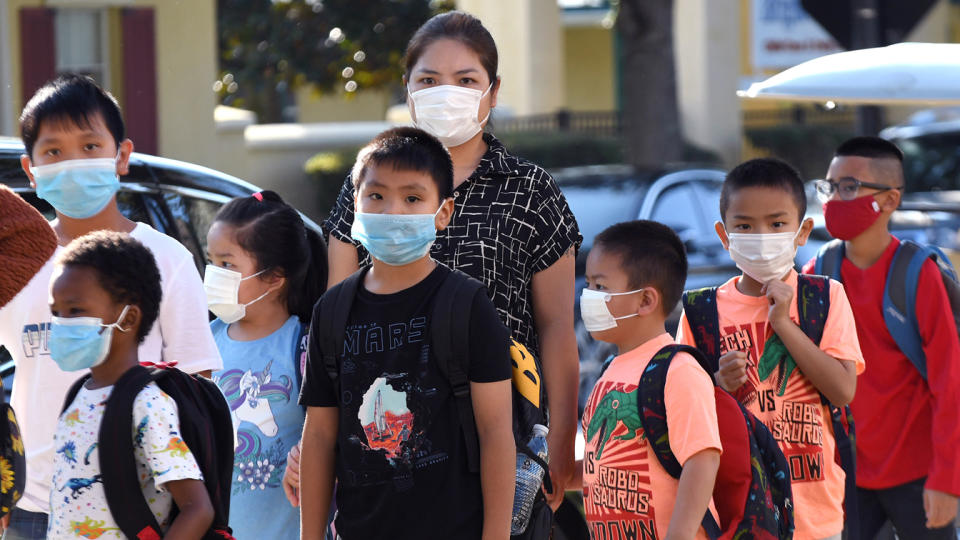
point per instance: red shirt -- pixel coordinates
(907, 428)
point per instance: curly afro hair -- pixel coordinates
(125, 269)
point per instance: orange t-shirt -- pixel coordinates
(626, 492)
(799, 422)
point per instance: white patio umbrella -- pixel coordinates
(901, 74)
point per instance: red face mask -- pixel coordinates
(847, 220)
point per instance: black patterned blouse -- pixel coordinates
(510, 221)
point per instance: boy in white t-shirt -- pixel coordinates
(75, 150)
(104, 297)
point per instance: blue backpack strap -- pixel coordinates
(900, 298)
(653, 415)
(830, 259)
(700, 308)
(813, 307)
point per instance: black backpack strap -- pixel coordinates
(450, 341)
(830, 259)
(700, 308)
(333, 315)
(118, 465)
(73, 391)
(813, 304)
(653, 414)
(206, 428)
(300, 349)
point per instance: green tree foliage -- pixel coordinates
(268, 48)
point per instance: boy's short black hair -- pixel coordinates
(869, 147)
(651, 254)
(407, 149)
(69, 97)
(764, 172)
(125, 269)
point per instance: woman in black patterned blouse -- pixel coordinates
(511, 229)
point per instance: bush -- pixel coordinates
(559, 149)
(806, 147)
(568, 149)
(329, 170)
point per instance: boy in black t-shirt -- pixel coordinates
(387, 430)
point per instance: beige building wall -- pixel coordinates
(707, 47)
(589, 68)
(186, 68)
(530, 44)
(364, 105)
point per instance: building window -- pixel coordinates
(82, 43)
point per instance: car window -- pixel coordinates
(192, 234)
(931, 162)
(675, 208)
(684, 208)
(201, 213)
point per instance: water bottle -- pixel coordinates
(529, 478)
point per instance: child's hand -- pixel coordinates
(779, 294)
(939, 507)
(291, 476)
(733, 370)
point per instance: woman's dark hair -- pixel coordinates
(460, 26)
(274, 233)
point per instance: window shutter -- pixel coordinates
(38, 62)
(140, 78)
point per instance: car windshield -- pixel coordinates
(603, 203)
(932, 162)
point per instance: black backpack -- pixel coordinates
(449, 342)
(813, 306)
(206, 428)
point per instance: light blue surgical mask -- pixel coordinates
(81, 342)
(77, 188)
(395, 239)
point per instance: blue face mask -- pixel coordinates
(77, 188)
(81, 342)
(395, 239)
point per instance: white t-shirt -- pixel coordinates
(181, 333)
(78, 503)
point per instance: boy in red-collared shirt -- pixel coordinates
(908, 428)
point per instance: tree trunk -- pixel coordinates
(649, 104)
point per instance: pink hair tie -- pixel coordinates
(258, 196)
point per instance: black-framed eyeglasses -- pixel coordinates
(848, 188)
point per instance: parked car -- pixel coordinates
(685, 200)
(174, 197)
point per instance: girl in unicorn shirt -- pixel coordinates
(265, 272)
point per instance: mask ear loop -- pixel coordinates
(116, 325)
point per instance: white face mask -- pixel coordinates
(764, 257)
(449, 112)
(223, 290)
(595, 313)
